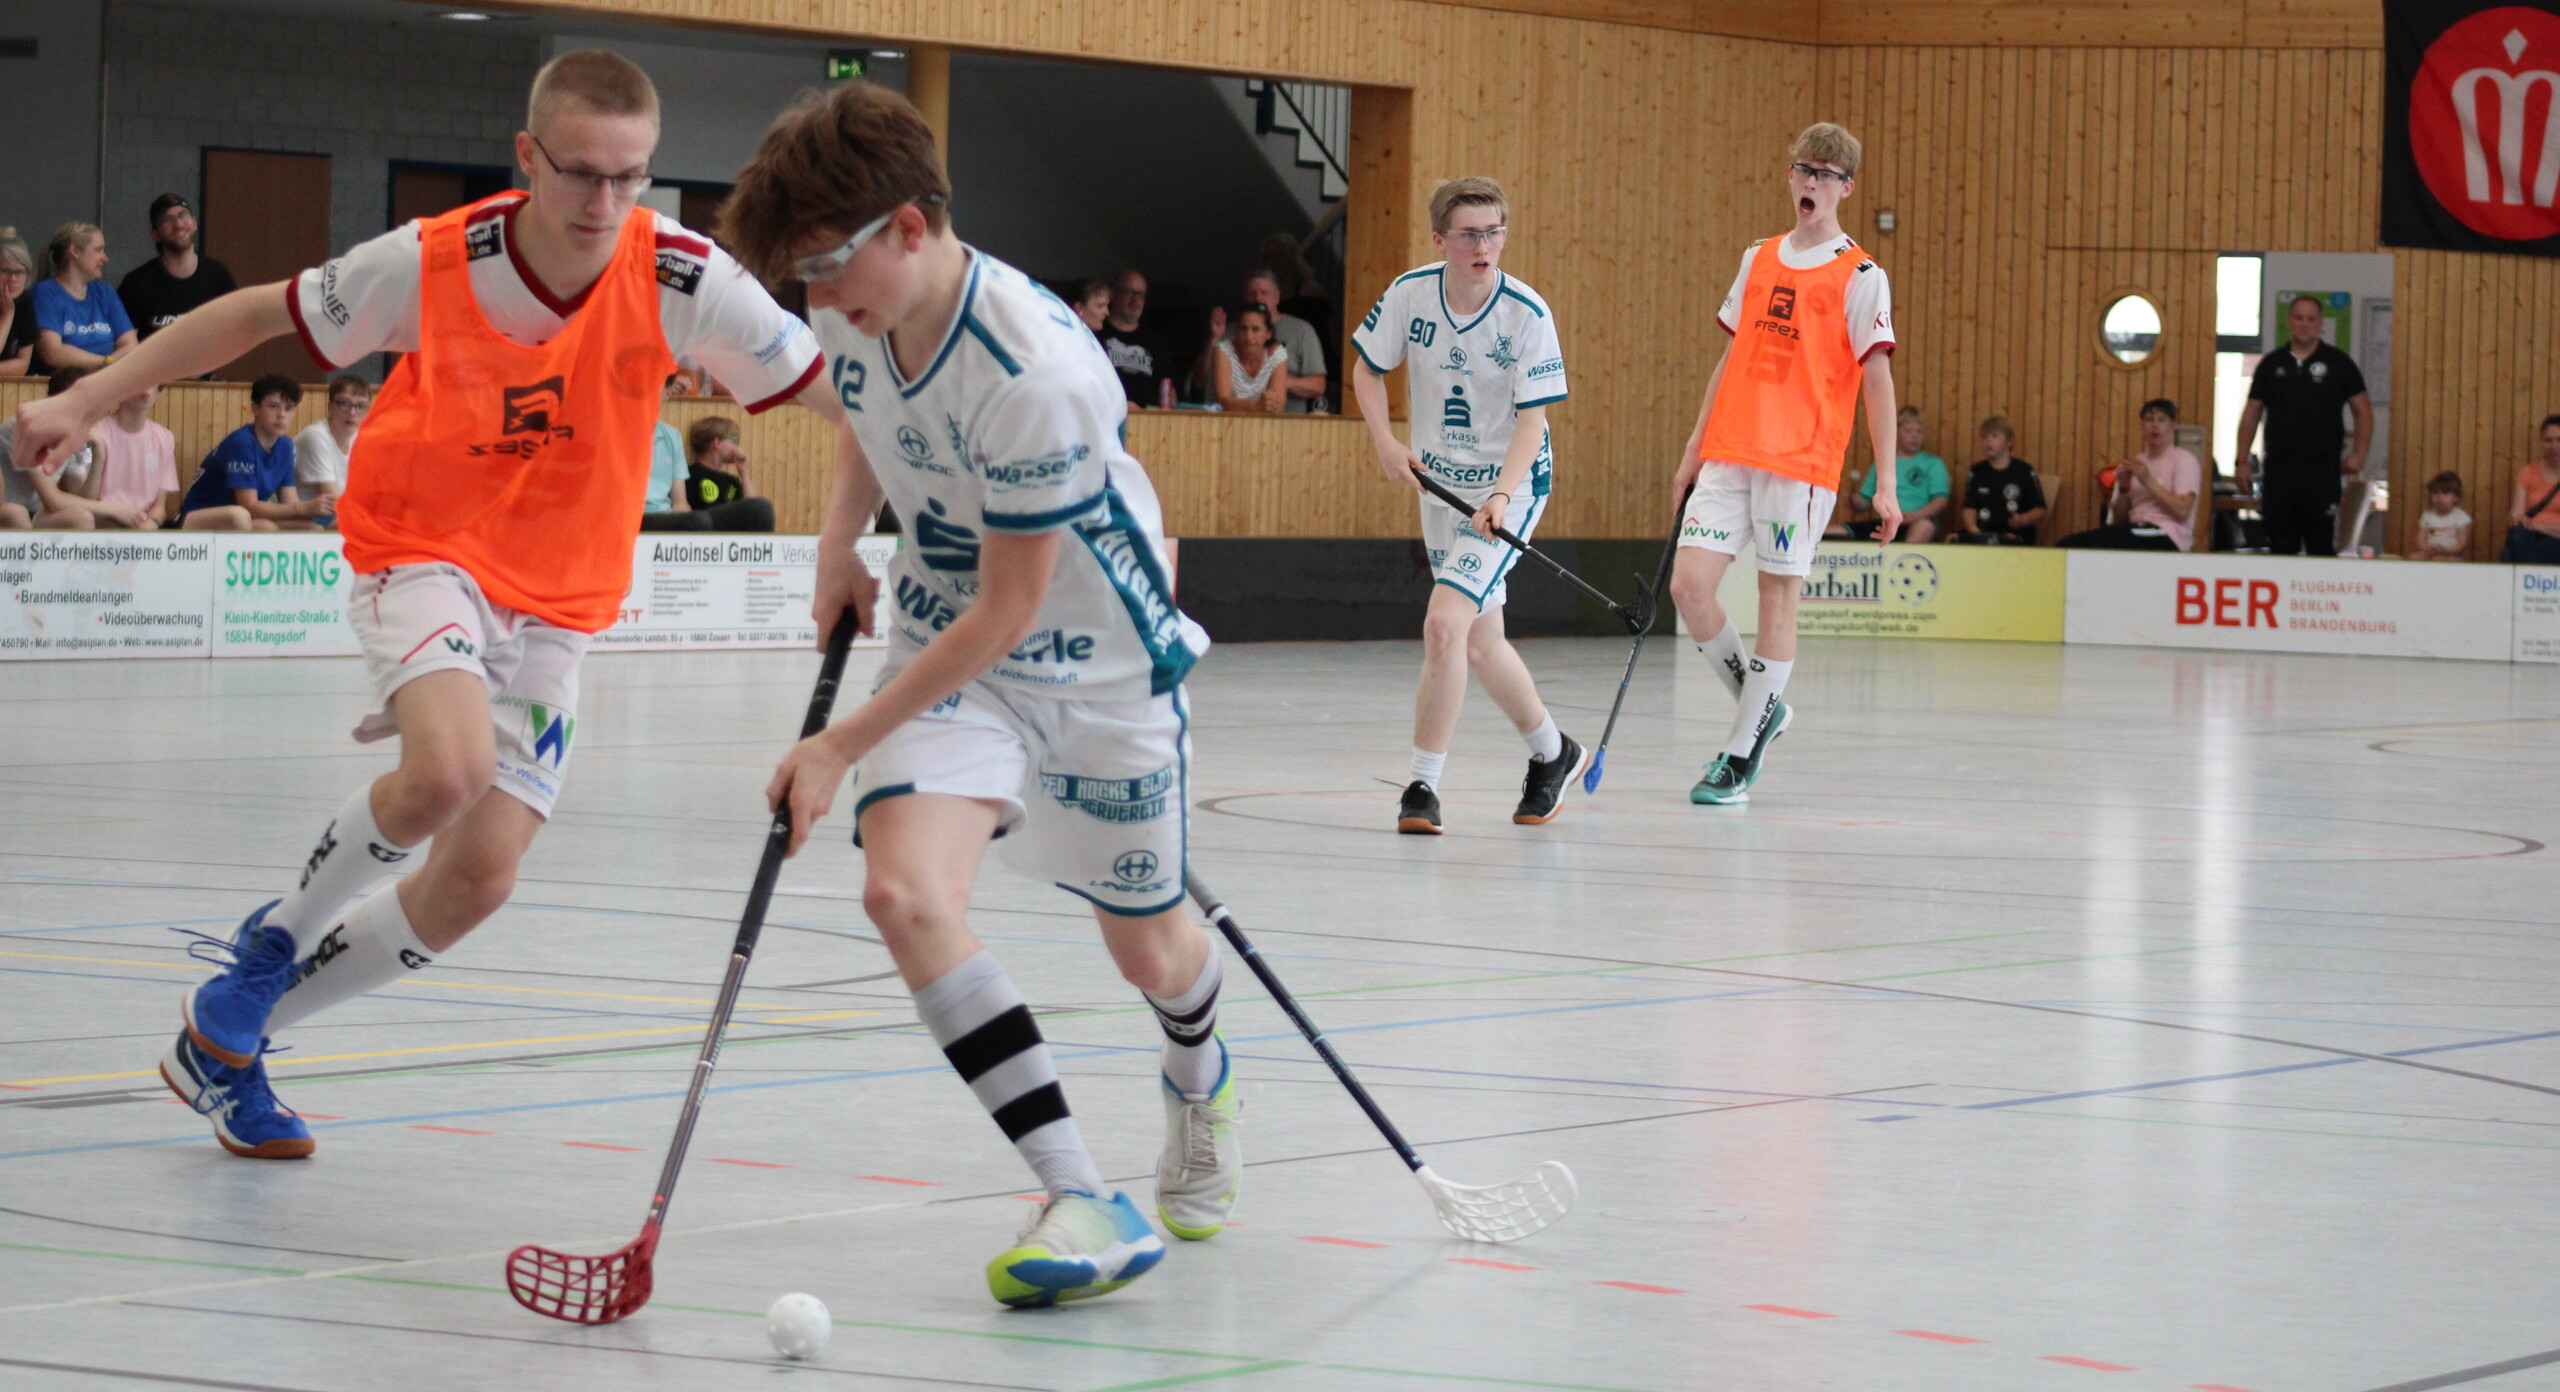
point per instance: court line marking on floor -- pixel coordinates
(197, 965)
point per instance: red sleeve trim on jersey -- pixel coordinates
(690, 246)
(1886, 348)
(1728, 328)
(302, 329)
(532, 282)
(808, 375)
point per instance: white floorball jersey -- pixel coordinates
(1017, 426)
(1467, 380)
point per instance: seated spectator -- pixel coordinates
(1281, 260)
(1919, 484)
(1305, 347)
(79, 320)
(2444, 529)
(1252, 373)
(1142, 357)
(2003, 498)
(2533, 530)
(716, 485)
(137, 468)
(252, 469)
(17, 316)
(2154, 492)
(320, 451)
(46, 497)
(177, 280)
(1092, 304)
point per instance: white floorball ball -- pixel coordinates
(799, 1325)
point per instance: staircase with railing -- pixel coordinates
(1319, 116)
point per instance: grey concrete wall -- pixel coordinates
(49, 162)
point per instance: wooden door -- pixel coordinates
(266, 216)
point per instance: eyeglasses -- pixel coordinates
(1478, 237)
(827, 263)
(1818, 174)
(587, 181)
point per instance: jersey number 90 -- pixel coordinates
(1422, 332)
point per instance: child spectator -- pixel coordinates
(137, 465)
(2003, 499)
(716, 484)
(320, 451)
(43, 497)
(252, 469)
(1919, 484)
(79, 321)
(2444, 529)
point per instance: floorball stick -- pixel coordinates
(1477, 1212)
(600, 1290)
(1648, 601)
(1625, 613)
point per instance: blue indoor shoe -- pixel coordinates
(227, 1016)
(247, 1118)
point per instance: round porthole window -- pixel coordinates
(2129, 331)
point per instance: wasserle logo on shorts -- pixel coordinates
(528, 421)
(1113, 799)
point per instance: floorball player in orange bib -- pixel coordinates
(1812, 326)
(492, 502)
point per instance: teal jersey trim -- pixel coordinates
(1048, 521)
(995, 350)
(1417, 275)
(1534, 307)
(1541, 401)
(1489, 302)
(950, 337)
(1119, 546)
(1372, 362)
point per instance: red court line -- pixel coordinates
(449, 1130)
(893, 1179)
(1790, 1310)
(758, 1164)
(1345, 1242)
(2088, 1363)
(1941, 1338)
(21, 1087)
(1640, 1286)
(1498, 1266)
(318, 1116)
(598, 1145)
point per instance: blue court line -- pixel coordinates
(2251, 1072)
(2285, 1019)
(560, 1010)
(96, 927)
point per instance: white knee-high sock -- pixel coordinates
(368, 949)
(1724, 652)
(353, 856)
(987, 1032)
(1761, 684)
(1191, 1055)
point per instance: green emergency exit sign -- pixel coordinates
(846, 64)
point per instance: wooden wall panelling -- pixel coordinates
(2013, 23)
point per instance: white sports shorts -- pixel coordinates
(1478, 567)
(1096, 795)
(416, 619)
(1782, 517)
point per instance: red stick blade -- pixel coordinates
(583, 1290)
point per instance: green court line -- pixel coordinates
(1186, 1379)
(2281, 1130)
(2039, 962)
(1463, 1377)
(161, 1261)
(956, 1333)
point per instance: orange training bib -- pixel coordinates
(526, 467)
(1790, 390)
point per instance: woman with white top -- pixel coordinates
(320, 451)
(1251, 373)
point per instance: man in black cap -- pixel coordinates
(156, 292)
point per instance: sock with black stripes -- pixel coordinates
(353, 856)
(1761, 685)
(1189, 1020)
(368, 949)
(987, 1032)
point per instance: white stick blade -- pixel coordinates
(1502, 1212)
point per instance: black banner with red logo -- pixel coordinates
(2471, 126)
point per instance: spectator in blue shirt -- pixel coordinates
(79, 320)
(252, 469)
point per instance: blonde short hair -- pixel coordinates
(1472, 191)
(66, 238)
(592, 80)
(1909, 413)
(1825, 143)
(13, 250)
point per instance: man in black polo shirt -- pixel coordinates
(2300, 390)
(1139, 354)
(156, 292)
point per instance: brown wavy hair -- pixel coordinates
(832, 165)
